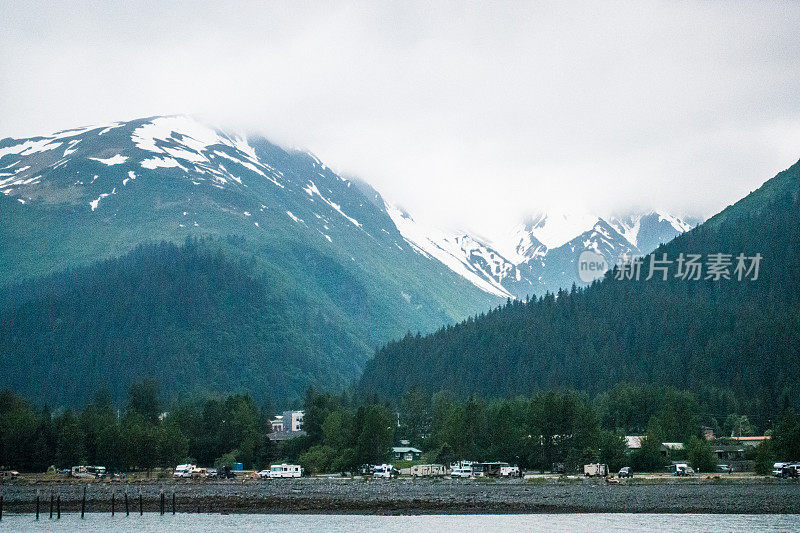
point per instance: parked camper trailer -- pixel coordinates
(427, 471)
(183, 470)
(88, 472)
(495, 469)
(509, 471)
(595, 470)
(285, 470)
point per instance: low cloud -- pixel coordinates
(468, 114)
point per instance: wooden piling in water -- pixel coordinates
(173, 502)
(83, 502)
(162, 501)
(140, 502)
(58, 507)
(1, 507)
(52, 501)
(37, 504)
(112, 502)
(127, 513)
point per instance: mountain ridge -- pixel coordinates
(732, 341)
(217, 157)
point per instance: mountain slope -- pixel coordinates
(729, 340)
(198, 316)
(76, 197)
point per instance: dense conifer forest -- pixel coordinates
(200, 317)
(729, 341)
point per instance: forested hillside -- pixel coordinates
(339, 277)
(200, 317)
(725, 339)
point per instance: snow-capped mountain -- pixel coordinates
(346, 269)
(540, 254)
(170, 177)
(464, 254)
(77, 196)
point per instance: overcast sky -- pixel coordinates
(467, 114)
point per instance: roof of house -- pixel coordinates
(634, 441)
(746, 439)
(405, 449)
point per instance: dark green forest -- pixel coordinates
(200, 317)
(144, 432)
(735, 344)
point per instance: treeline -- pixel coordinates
(201, 317)
(566, 426)
(534, 432)
(141, 435)
(145, 433)
(344, 432)
(728, 341)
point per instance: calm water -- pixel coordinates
(389, 524)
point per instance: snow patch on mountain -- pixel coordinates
(111, 161)
(446, 248)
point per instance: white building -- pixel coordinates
(293, 421)
(284, 426)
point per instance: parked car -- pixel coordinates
(557, 468)
(211, 472)
(790, 470)
(725, 469)
(9, 474)
(226, 473)
(625, 471)
(198, 473)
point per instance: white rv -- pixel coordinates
(183, 470)
(284, 470)
(509, 471)
(461, 469)
(384, 471)
(682, 469)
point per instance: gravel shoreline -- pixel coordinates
(410, 497)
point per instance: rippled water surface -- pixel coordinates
(387, 524)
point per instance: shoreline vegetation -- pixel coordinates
(548, 431)
(714, 495)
